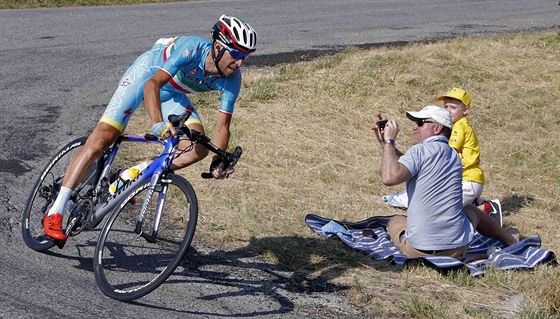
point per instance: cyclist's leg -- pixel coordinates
(100, 139)
(176, 104)
(198, 153)
(103, 136)
(124, 102)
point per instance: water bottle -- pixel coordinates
(126, 176)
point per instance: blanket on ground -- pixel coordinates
(370, 236)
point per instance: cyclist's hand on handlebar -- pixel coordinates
(164, 130)
(220, 173)
(218, 169)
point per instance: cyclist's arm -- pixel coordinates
(230, 88)
(221, 135)
(152, 99)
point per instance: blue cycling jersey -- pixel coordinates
(184, 59)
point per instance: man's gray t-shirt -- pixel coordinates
(435, 217)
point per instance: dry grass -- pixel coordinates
(308, 148)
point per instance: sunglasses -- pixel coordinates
(420, 122)
(236, 54)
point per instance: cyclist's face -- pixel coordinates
(228, 64)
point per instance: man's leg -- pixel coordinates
(395, 228)
(197, 154)
(101, 138)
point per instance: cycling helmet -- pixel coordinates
(235, 33)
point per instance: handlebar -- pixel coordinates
(229, 159)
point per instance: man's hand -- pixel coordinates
(391, 130)
(218, 169)
(379, 129)
(164, 130)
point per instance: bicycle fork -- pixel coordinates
(161, 189)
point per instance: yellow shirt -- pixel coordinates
(463, 140)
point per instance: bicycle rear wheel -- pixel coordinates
(128, 265)
(46, 189)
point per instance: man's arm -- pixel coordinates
(392, 172)
(152, 99)
(152, 102)
(220, 138)
(221, 135)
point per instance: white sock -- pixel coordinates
(61, 200)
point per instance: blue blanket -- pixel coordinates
(370, 236)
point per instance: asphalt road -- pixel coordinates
(58, 69)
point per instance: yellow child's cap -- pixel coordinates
(458, 94)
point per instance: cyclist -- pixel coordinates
(162, 77)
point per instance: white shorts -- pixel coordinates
(471, 192)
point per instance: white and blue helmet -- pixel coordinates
(235, 33)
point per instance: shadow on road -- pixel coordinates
(244, 273)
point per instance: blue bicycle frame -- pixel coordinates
(153, 172)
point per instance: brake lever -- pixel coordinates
(234, 157)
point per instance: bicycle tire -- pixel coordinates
(126, 265)
(44, 192)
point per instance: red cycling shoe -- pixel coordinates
(53, 226)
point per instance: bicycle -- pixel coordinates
(152, 218)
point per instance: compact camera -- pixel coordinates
(381, 124)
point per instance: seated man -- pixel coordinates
(436, 222)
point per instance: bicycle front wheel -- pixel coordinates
(128, 265)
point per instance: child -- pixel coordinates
(463, 139)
